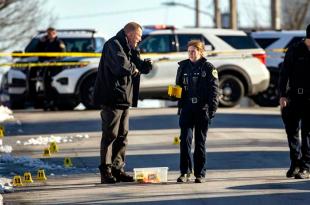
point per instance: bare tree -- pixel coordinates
(19, 20)
(296, 14)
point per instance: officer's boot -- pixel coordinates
(106, 175)
(293, 170)
(184, 178)
(121, 175)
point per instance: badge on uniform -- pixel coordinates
(214, 73)
(203, 74)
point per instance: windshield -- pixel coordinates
(73, 44)
(240, 42)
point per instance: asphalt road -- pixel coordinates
(246, 161)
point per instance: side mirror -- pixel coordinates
(208, 47)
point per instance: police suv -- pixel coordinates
(275, 43)
(72, 83)
(239, 60)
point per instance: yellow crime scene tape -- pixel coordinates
(87, 54)
(45, 64)
(51, 54)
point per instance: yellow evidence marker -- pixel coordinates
(47, 152)
(54, 147)
(17, 181)
(41, 175)
(68, 162)
(2, 131)
(28, 177)
(176, 140)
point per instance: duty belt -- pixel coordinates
(300, 91)
(193, 100)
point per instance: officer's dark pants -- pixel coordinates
(296, 116)
(49, 93)
(114, 137)
(193, 117)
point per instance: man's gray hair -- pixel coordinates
(132, 26)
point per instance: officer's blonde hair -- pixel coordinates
(199, 45)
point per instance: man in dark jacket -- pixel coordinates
(116, 89)
(49, 43)
(294, 90)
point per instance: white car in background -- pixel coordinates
(275, 43)
(73, 84)
(239, 60)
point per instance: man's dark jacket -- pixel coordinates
(295, 71)
(115, 84)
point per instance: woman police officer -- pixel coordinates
(198, 79)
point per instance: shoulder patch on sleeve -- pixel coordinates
(214, 73)
(62, 45)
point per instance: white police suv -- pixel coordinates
(72, 83)
(239, 60)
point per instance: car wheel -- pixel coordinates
(87, 91)
(270, 97)
(16, 103)
(231, 90)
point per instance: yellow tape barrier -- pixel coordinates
(45, 64)
(87, 54)
(84, 54)
(51, 54)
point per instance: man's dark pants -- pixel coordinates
(114, 137)
(296, 116)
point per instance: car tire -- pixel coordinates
(270, 97)
(231, 90)
(16, 103)
(86, 93)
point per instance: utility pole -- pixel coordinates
(276, 14)
(233, 14)
(217, 14)
(197, 9)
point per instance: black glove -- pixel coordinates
(146, 66)
(211, 115)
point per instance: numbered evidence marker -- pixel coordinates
(17, 181)
(54, 147)
(47, 152)
(68, 162)
(41, 175)
(28, 177)
(2, 131)
(176, 140)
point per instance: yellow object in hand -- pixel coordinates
(175, 91)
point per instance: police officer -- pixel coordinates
(116, 89)
(294, 90)
(199, 81)
(49, 43)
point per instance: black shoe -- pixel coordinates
(302, 174)
(184, 178)
(199, 180)
(292, 172)
(122, 176)
(106, 175)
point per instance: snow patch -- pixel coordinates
(5, 114)
(58, 139)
